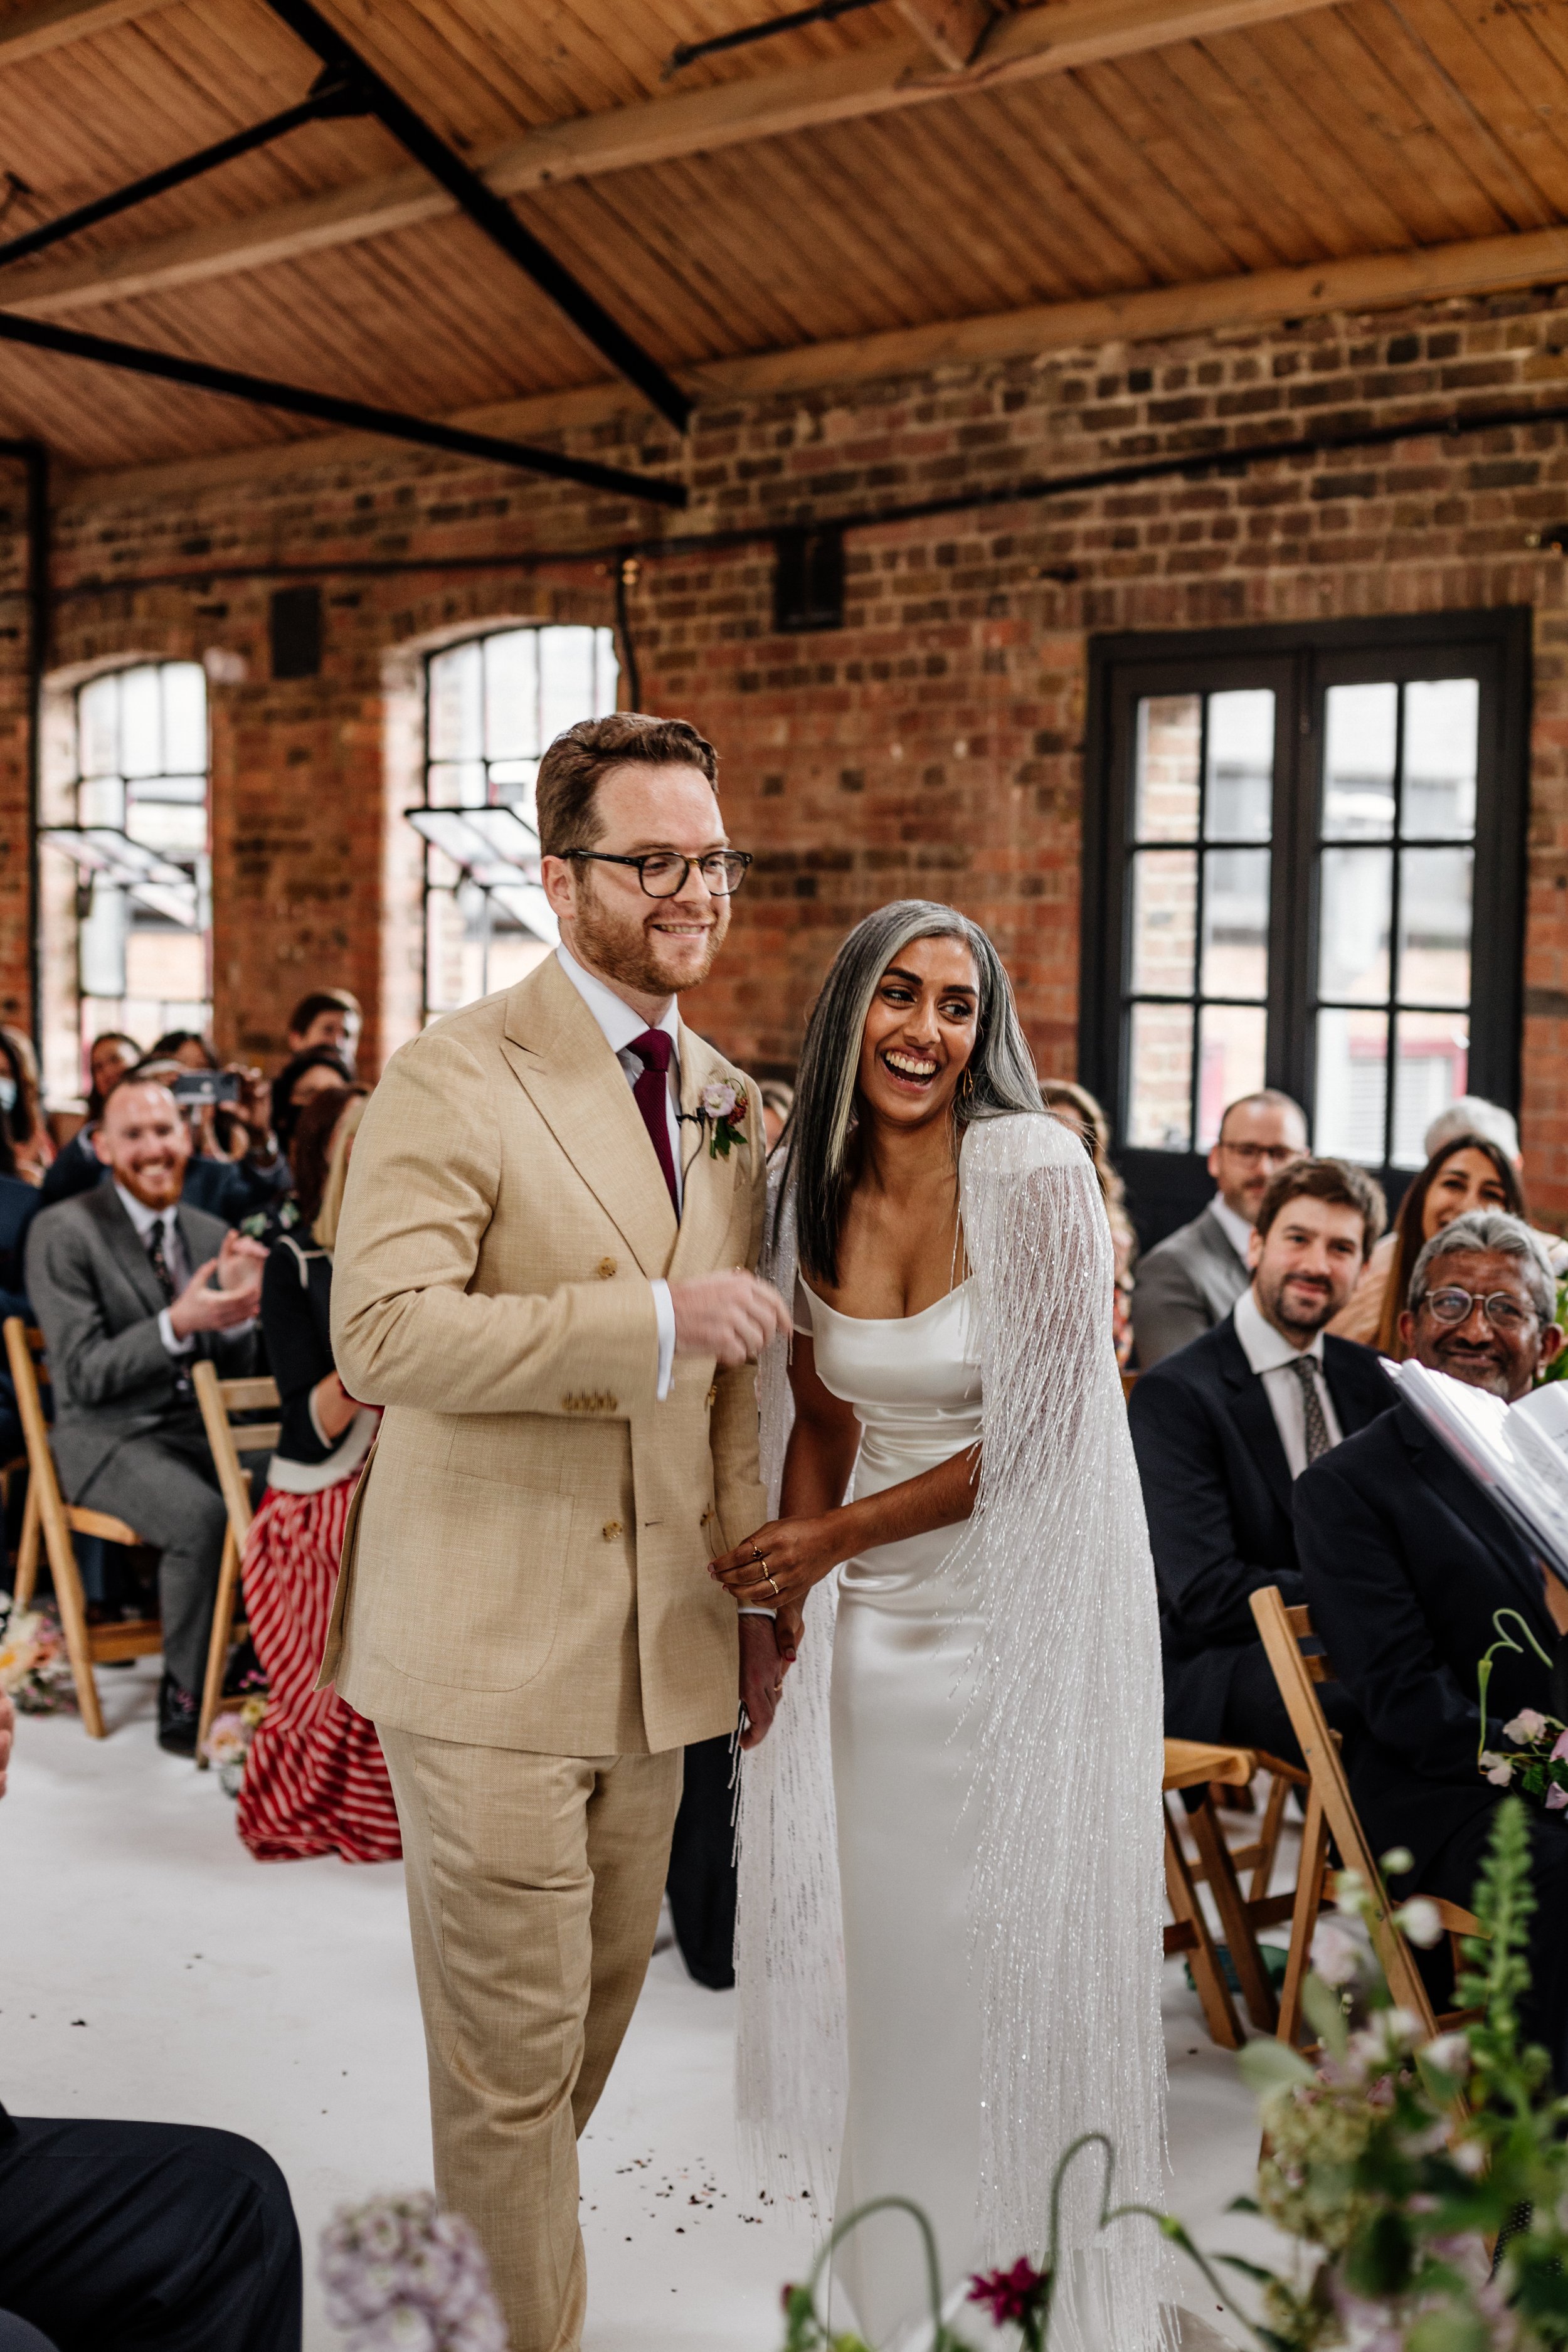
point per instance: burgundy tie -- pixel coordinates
(653, 1050)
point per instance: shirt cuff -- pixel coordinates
(664, 1310)
(757, 1612)
(166, 1333)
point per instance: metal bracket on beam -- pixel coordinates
(356, 416)
(490, 213)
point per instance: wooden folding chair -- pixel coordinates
(1331, 1813)
(50, 1515)
(1198, 1764)
(221, 1401)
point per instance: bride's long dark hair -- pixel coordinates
(1001, 1071)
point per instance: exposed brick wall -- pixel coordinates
(933, 745)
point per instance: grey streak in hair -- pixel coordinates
(1001, 1067)
(1488, 1229)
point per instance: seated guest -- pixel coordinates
(328, 1017)
(313, 1072)
(1078, 1108)
(76, 1166)
(20, 1204)
(23, 1104)
(215, 1182)
(157, 2236)
(314, 1779)
(130, 1286)
(1465, 1171)
(1406, 1564)
(1190, 1281)
(1222, 1430)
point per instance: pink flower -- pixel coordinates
(1556, 1798)
(1562, 1747)
(1009, 2295)
(1528, 1724)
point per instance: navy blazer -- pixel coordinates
(1220, 1503)
(1405, 1563)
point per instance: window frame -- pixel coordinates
(1300, 662)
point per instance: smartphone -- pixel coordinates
(197, 1089)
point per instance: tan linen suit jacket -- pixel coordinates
(525, 1561)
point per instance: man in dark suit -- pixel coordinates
(1190, 1281)
(1406, 1564)
(1223, 1429)
(129, 1286)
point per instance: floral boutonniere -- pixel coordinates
(722, 1106)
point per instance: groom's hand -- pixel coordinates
(731, 1317)
(762, 1678)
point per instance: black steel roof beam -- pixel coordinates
(330, 96)
(354, 415)
(490, 213)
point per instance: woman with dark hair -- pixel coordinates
(22, 1103)
(1080, 1110)
(308, 1074)
(314, 1778)
(1468, 1171)
(985, 1748)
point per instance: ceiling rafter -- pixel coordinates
(892, 75)
(30, 32)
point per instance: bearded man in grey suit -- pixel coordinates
(131, 1288)
(1190, 1281)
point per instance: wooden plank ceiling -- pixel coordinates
(832, 184)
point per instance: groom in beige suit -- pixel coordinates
(542, 1272)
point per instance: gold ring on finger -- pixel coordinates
(772, 1587)
(760, 1557)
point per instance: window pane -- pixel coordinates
(97, 726)
(1165, 786)
(1435, 926)
(1240, 801)
(1164, 921)
(168, 966)
(1441, 717)
(140, 722)
(1236, 923)
(1432, 1056)
(511, 695)
(175, 828)
(1159, 1094)
(184, 718)
(1355, 910)
(565, 680)
(457, 703)
(1360, 733)
(100, 941)
(512, 783)
(1351, 1088)
(454, 954)
(102, 801)
(457, 785)
(1230, 1061)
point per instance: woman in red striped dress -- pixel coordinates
(314, 1779)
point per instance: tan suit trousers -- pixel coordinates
(534, 1885)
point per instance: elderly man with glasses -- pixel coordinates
(1408, 1563)
(1189, 1282)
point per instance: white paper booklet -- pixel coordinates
(1517, 1452)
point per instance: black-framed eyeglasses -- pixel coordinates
(663, 872)
(1503, 1309)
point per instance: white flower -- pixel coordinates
(1496, 1768)
(1419, 1920)
(1526, 1724)
(1470, 2155)
(718, 1098)
(1336, 1955)
(1396, 1861)
(1451, 2052)
(1390, 2036)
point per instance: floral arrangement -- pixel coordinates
(721, 1106)
(402, 2276)
(34, 1666)
(1536, 1766)
(227, 1743)
(1394, 2166)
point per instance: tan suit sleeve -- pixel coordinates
(407, 1330)
(737, 1494)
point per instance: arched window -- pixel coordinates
(493, 705)
(130, 947)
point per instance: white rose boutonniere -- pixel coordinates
(722, 1107)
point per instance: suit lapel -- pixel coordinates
(707, 1182)
(1253, 1417)
(560, 1054)
(125, 1247)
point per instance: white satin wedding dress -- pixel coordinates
(949, 1943)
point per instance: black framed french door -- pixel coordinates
(1303, 868)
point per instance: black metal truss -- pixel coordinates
(354, 415)
(489, 212)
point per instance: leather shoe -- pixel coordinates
(179, 1712)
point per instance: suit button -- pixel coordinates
(612, 1529)
(607, 1268)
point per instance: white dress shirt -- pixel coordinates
(144, 1219)
(1273, 1359)
(1236, 1229)
(620, 1025)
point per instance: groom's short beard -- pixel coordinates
(623, 950)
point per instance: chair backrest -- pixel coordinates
(222, 1403)
(29, 1373)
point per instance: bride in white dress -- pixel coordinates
(950, 1933)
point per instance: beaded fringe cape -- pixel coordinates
(1065, 1813)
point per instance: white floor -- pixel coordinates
(149, 1968)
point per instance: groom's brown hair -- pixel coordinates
(576, 763)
